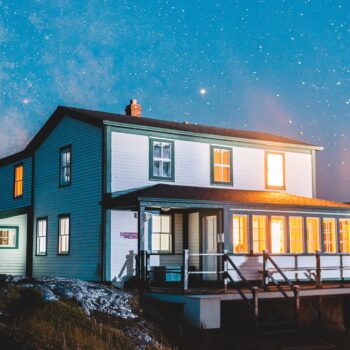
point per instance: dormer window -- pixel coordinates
(65, 166)
(18, 181)
(221, 165)
(161, 160)
(275, 171)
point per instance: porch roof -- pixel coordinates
(168, 193)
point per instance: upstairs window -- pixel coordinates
(41, 236)
(329, 235)
(18, 181)
(344, 233)
(63, 234)
(274, 170)
(8, 237)
(221, 165)
(161, 160)
(161, 234)
(65, 166)
(240, 234)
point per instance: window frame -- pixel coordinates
(63, 216)
(17, 235)
(44, 218)
(171, 234)
(302, 240)
(341, 242)
(220, 183)
(271, 187)
(61, 150)
(336, 235)
(15, 182)
(247, 233)
(266, 233)
(151, 160)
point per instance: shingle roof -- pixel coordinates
(206, 194)
(98, 118)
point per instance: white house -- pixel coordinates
(109, 197)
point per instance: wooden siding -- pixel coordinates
(130, 165)
(7, 201)
(80, 200)
(13, 261)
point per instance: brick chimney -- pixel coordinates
(133, 109)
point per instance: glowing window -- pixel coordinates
(296, 234)
(41, 236)
(259, 233)
(277, 235)
(344, 232)
(161, 160)
(63, 234)
(65, 166)
(240, 239)
(161, 234)
(313, 234)
(275, 170)
(329, 236)
(8, 237)
(221, 165)
(18, 181)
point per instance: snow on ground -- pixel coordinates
(89, 296)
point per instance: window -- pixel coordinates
(161, 160)
(296, 237)
(259, 233)
(313, 234)
(329, 236)
(161, 234)
(41, 236)
(18, 181)
(344, 231)
(65, 166)
(63, 234)
(221, 165)
(240, 239)
(277, 235)
(8, 237)
(275, 172)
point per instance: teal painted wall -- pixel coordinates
(81, 200)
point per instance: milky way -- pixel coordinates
(276, 66)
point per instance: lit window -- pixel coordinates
(162, 160)
(259, 233)
(65, 166)
(313, 234)
(161, 234)
(277, 235)
(8, 237)
(240, 239)
(275, 170)
(221, 165)
(41, 236)
(63, 234)
(18, 181)
(329, 236)
(344, 231)
(296, 234)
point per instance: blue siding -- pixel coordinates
(81, 200)
(7, 202)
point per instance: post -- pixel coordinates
(186, 256)
(341, 271)
(255, 299)
(225, 270)
(142, 269)
(263, 282)
(148, 269)
(318, 269)
(296, 291)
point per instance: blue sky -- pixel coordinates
(276, 66)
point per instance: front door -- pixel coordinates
(209, 239)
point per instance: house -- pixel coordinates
(105, 197)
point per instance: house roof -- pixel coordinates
(165, 192)
(100, 118)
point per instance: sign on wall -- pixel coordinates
(129, 235)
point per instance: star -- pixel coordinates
(203, 91)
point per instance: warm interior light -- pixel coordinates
(275, 170)
(277, 234)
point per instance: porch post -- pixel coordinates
(225, 270)
(228, 244)
(186, 255)
(141, 244)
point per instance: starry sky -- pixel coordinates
(273, 65)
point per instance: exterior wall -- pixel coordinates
(130, 165)
(81, 200)
(13, 260)
(122, 246)
(7, 201)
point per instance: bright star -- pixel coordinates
(202, 91)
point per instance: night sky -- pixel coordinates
(276, 66)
